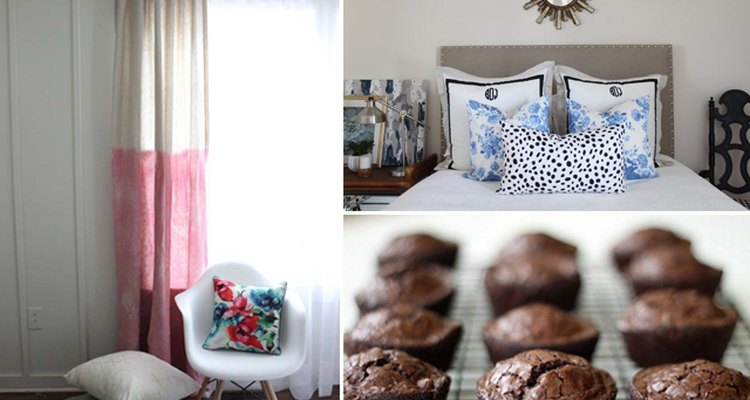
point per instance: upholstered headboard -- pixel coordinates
(602, 61)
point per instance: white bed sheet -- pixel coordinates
(677, 188)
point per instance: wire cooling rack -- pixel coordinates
(603, 297)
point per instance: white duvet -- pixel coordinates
(677, 188)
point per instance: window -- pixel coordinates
(273, 184)
(274, 95)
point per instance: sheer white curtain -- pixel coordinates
(274, 101)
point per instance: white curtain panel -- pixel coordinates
(272, 64)
(160, 94)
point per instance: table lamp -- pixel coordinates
(372, 115)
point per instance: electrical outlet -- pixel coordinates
(35, 318)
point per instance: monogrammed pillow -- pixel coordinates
(602, 94)
(539, 162)
(456, 87)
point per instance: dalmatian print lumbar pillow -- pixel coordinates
(539, 162)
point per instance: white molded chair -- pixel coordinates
(197, 304)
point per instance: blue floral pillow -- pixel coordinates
(486, 152)
(246, 318)
(634, 116)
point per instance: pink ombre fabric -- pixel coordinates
(160, 243)
(158, 167)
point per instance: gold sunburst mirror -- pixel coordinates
(559, 11)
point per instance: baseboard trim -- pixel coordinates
(35, 384)
(37, 390)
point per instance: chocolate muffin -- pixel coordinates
(534, 244)
(642, 240)
(699, 379)
(544, 374)
(378, 374)
(671, 267)
(421, 333)
(407, 251)
(427, 286)
(539, 326)
(546, 278)
(669, 326)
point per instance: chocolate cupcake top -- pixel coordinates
(539, 323)
(376, 372)
(543, 374)
(534, 244)
(669, 262)
(699, 379)
(642, 240)
(423, 285)
(415, 245)
(533, 270)
(675, 308)
(403, 325)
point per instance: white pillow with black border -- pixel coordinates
(538, 162)
(602, 94)
(456, 88)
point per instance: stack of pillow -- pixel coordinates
(590, 137)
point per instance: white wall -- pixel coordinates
(56, 245)
(400, 39)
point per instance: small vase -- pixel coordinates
(365, 166)
(353, 163)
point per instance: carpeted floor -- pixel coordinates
(283, 395)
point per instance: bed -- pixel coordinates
(677, 188)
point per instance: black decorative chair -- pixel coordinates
(735, 124)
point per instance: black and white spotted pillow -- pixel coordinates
(539, 162)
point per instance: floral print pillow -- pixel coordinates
(246, 318)
(486, 153)
(634, 116)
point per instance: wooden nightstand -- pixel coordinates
(381, 188)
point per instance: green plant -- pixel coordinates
(360, 147)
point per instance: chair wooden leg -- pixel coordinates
(199, 395)
(219, 389)
(268, 392)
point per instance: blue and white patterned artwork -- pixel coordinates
(409, 95)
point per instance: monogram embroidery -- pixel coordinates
(491, 94)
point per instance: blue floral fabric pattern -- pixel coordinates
(246, 318)
(486, 152)
(634, 116)
(580, 118)
(534, 115)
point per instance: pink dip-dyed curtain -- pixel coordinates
(158, 164)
